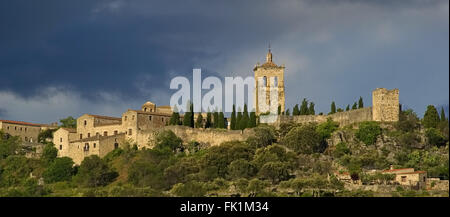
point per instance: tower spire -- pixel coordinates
(269, 55)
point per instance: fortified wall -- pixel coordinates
(386, 108)
(211, 137)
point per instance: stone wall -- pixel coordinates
(27, 133)
(343, 118)
(211, 137)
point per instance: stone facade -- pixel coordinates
(62, 138)
(272, 76)
(28, 132)
(386, 106)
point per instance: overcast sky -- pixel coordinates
(61, 58)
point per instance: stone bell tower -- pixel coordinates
(272, 76)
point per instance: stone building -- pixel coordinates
(28, 132)
(386, 106)
(272, 76)
(409, 177)
(96, 134)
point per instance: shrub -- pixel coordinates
(241, 168)
(274, 171)
(264, 136)
(304, 139)
(94, 172)
(368, 132)
(168, 140)
(189, 189)
(60, 170)
(435, 137)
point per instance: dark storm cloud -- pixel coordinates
(105, 53)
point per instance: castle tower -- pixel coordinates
(385, 105)
(272, 77)
(149, 107)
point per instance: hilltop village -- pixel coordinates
(98, 135)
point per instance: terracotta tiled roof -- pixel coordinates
(21, 123)
(71, 130)
(395, 170)
(415, 172)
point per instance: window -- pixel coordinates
(7, 128)
(21, 129)
(162, 119)
(105, 133)
(25, 129)
(403, 178)
(86, 147)
(95, 145)
(60, 139)
(81, 136)
(85, 122)
(275, 81)
(116, 145)
(149, 118)
(132, 118)
(115, 132)
(15, 128)
(126, 118)
(424, 179)
(130, 132)
(60, 147)
(265, 81)
(89, 135)
(97, 133)
(145, 109)
(26, 139)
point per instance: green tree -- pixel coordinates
(355, 106)
(175, 118)
(434, 137)
(347, 108)
(199, 123)
(188, 119)
(327, 128)
(238, 119)
(296, 111)
(221, 121)
(252, 121)
(190, 189)
(443, 118)
(208, 123)
(245, 119)
(49, 154)
(304, 107)
(94, 172)
(333, 108)
(287, 113)
(360, 103)
(9, 145)
(216, 119)
(68, 122)
(241, 168)
(263, 136)
(311, 110)
(408, 121)
(303, 139)
(233, 119)
(60, 170)
(274, 171)
(167, 139)
(431, 117)
(46, 134)
(368, 132)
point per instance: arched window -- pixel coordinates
(275, 81)
(265, 81)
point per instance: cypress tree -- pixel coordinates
(199, 123)
(333, 108)
(221, 121)
(238, 119)
(295, 111)
(187, 116)
(304, 107)
(443, 118)
(355, 106)
(245, 119)
(233, 118)
(208, 120)
(431, 117)
(360, 103)
(191, 116)
(252, 122)
(287, 112)
(279, 110)
(216, 119)
(311, 110)
(347, 108)
(175, 118)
